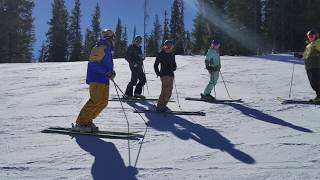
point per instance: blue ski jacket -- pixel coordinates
(100, 63)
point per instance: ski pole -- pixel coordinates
(291, 79)
(146, 79)
(125, 115)
(174, 81)
(141, 142)
(225, 85)
(117, 87)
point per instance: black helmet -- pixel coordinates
(168, 42)
(138, 39)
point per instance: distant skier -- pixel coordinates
(311, 57)
(135, 59)
(213, 66)
(168, 65)
(99, 72)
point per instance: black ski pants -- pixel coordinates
(137, 74)
(314, 79)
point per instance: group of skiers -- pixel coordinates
(100, 71)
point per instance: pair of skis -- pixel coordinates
(295, 101)
(132, 135)
(214, 100)
(133, 99)
(195, 113)
(100, 133)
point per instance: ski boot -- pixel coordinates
(162, 109)
(139, 96)
(207, 97)
(127, 97)
(316, 100)
(85, 128)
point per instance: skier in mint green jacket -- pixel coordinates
(213, 66)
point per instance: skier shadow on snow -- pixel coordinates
(259, 115)
(186, 130)
(108, 163)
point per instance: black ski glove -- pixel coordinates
(209, 68)
(158, 74)
(111, 75)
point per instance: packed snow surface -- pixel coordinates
(257, 139)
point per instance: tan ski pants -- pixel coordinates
(99, 95)
(166, 91)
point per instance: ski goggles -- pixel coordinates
(311, 37)
(168, 46)
(138, 41)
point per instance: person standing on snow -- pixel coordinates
(311, 57)
(167, 61)
(135, 59)
(99, 72)
(213, 66)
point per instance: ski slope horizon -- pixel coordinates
(257, 139)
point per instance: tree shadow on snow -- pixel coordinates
(108, 163)
(259, 115)
(186, 130)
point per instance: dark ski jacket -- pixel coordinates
(134, 56)
(167, 62)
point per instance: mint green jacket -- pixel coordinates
(213, 59)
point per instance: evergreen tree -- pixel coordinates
(157, 33)
(88, 44)
(154, 40)
(124, 41)
(58, 33)
(75, 36)
(188, 44)
(16, 31)
(150, 48)
(92, 35)
(213, 15)
(134, 33)
(166, 32)
(43, 52)
(286, 23)
(177, 32)
(242, 15)
(199, 34)
(117, 44)
(95, 24)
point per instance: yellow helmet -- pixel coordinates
(107, 33)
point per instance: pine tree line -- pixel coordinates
(254, 26)
(243, 27)
(173, 29)
(64, 38)
(16, 31)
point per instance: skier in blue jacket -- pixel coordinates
(99, 72)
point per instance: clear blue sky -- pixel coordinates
(129, 11)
